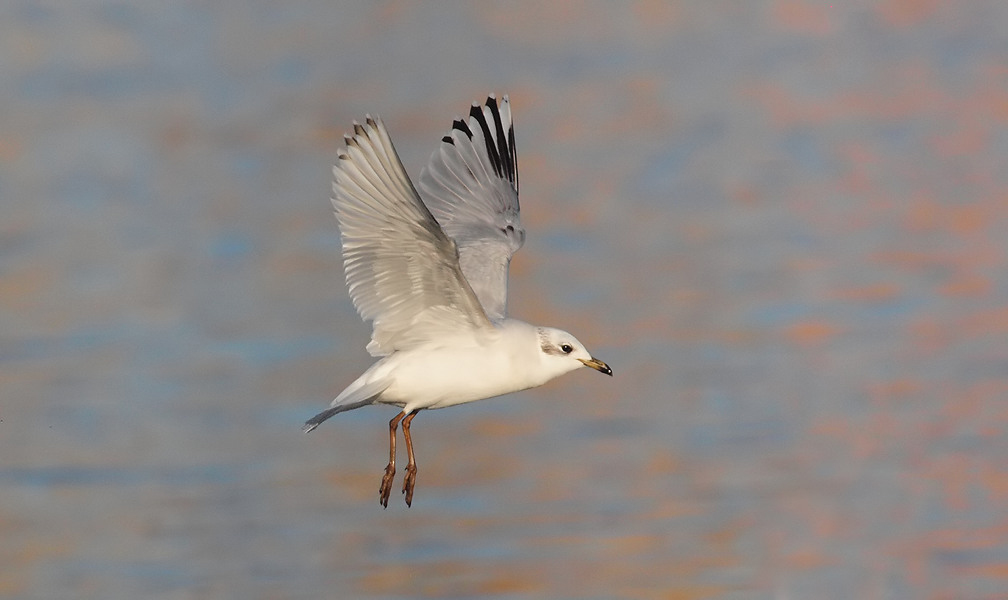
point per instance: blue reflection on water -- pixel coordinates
(67, 475)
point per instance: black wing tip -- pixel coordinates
(476, 112)
(500, 144)
(460, 125)
(493, 103)
(504, 152)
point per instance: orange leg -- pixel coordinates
(410, 478)
(386, 482)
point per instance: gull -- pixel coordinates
(429, 269)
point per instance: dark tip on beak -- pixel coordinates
(598, 365)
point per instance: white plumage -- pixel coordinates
(471, 187)
(431, 275)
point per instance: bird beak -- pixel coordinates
(598, 365)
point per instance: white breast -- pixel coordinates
(437, 377)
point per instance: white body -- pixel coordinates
(431, 274)
(504, 361)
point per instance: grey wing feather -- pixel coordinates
(402, 270)
(470, 185)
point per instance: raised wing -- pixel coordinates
(402, 270)
(470, 185)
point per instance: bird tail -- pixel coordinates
(349, 399)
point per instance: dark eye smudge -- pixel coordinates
(546, 346)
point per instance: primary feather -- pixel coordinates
(470, 185)
(402, 271)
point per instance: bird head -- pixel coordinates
(562, 352)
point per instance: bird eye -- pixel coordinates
(567, 348)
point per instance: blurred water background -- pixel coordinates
(782, 223)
